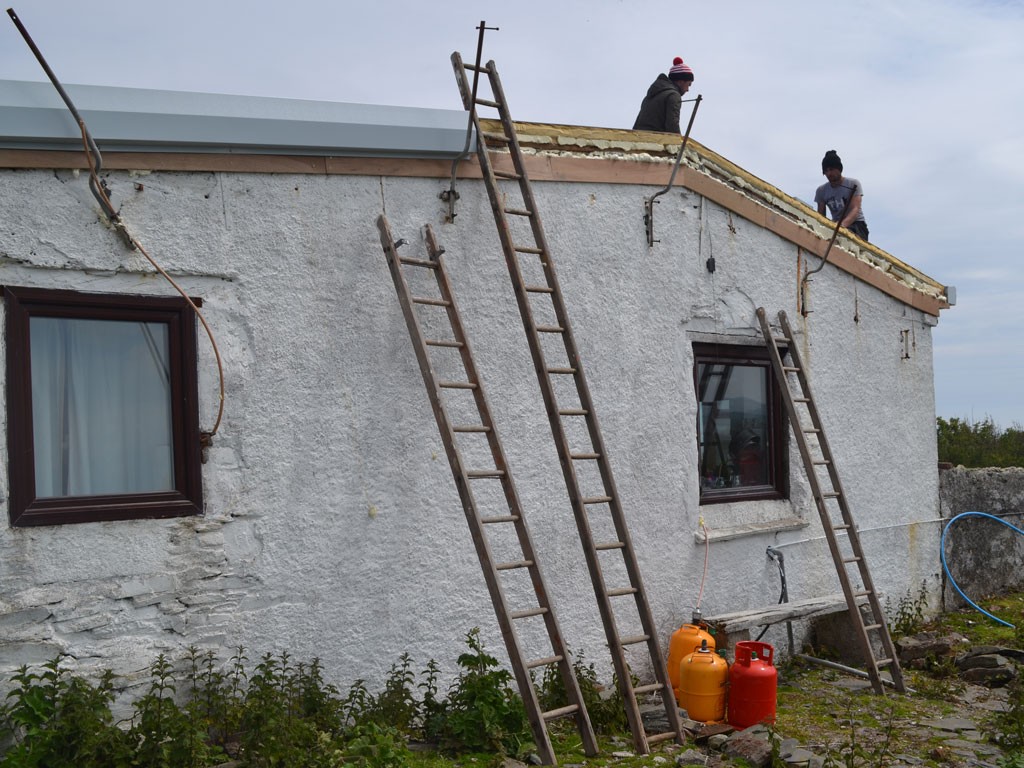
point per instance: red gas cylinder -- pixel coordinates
(753, 682)
(702, 678)
(682, 643)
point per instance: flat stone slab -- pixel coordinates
(950, 724)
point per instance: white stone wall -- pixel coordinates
(333, 527)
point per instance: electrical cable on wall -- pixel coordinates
(99, 190)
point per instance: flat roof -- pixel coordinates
(33, 116)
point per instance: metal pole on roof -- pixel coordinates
(650, 201)
(96, 185)
(450, 195)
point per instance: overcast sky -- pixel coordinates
(923, 100)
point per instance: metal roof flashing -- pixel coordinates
(33, 116)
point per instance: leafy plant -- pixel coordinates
(1008, 725)
(483, 713)
(908, 616)
(377, 746)
(58, 721)
(396, 705)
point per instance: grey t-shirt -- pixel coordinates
(836, 198)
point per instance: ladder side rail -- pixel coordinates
(591, 555)
(599, 447)
(852, 530)
(523, 680)
(847, 517)
(812, 477)
(561, 441)
(571, 684)
(568, 338)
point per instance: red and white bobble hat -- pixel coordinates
(679, 70)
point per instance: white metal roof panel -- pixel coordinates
(33, 116)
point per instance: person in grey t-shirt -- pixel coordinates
(842, 196)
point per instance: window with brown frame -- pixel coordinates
(102, 407)
(741, 428)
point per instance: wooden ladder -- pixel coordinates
(867, 618)
(490, 527)
(574, 426)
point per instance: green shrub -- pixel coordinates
(54, 720)
(483, 713)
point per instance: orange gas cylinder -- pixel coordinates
(753, 682)
(683, 642)
(702, 678)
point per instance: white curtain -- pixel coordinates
(101, 410)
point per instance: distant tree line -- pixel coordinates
(981, 444)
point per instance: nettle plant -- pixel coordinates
(203, 712)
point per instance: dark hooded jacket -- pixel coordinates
(660, 108)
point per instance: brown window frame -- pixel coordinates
(25, 509)
(778, 465)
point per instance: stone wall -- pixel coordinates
(984, 556)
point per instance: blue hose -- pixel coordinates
(942, 554)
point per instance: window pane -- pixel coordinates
(101, 408)
(734, 427)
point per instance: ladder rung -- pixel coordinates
(418, 262)
(539, 289)
(634, 639)
(801, 399)
(812, 430)
(872, 627)
(622, 591)
(841, 527)
(499, 519)
(444, 343)
(472, 428)
(527, 613)
(609, 545)
(573, 412)
(507, 174)
(456, 385)
(584, 456)
(552, 714)
(544, 662)
(513, 565)
(431, 302)
(830, 495)
(853, 559)
(862, 593)
(561, 370)
(550, 329)
(781, 340)
(658, 737)
(491, 136)
(596, 499)
(528, 249)
(790, 368)
(488, 103)
(476, 474)
(649, 688)
(518, 212)
(821, 462)
(474, 68)
(883, 662)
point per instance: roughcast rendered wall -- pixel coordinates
(332, 525)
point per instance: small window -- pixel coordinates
(102, 416)
(741, 434)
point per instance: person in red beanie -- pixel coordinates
(659, 110)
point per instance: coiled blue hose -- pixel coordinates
(942, 554)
